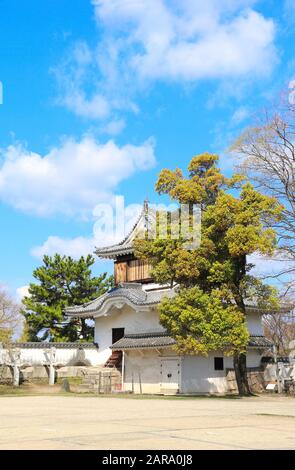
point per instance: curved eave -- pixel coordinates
(109, 253)
(98, 307)
(86, 311)
(97, 312)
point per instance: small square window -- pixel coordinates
(218, 363)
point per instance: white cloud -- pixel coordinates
(240, 115)
(70, 179)
(114, 127)
(105, 232)
(270, 268)
(22, 292)
(70, 76)
(75, 247)
(96, 107)
(181, 41)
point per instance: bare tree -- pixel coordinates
(279, 328)
(266, 156)
(10, 317)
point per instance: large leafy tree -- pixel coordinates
(62, 282)
(214, 279)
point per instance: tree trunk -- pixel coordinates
(240, 359)
(241, 374)
(83, 329)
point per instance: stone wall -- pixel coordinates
(255, 376)
(35, 373)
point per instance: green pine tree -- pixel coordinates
(62, 282)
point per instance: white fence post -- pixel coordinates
(51, 353)
(15, 359)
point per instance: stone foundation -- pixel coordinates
(32, 373)
(255, 378)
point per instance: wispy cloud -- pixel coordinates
(240, 115)
(180, 41)
(114, 127)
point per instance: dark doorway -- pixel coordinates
(117, 333)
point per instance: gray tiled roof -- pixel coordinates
(144, 340)
(257, 341)
(160, 339)
(128, 291)
(283, 308)
(134, 292)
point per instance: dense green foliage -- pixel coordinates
(201, 323)
(62, 282)
(214, 278)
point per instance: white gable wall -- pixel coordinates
(254, 324)
(133, 321)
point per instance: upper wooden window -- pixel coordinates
(132, 270)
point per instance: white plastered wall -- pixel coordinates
(133, 321)
(142, 366)
(197, 373)
(254, 325)
(63, 356)
(254, 357)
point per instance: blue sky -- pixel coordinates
(99, 96)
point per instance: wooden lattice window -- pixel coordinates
(132, 270)
(138, 270)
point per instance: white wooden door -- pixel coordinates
(170, 375)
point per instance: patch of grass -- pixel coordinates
(30, 389)
(71, 380)
(41, 388)
(131, 396)
(9, 390)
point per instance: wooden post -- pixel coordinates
(110, 382)
(278, 374)
(122, 374)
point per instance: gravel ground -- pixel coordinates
(81, 422)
